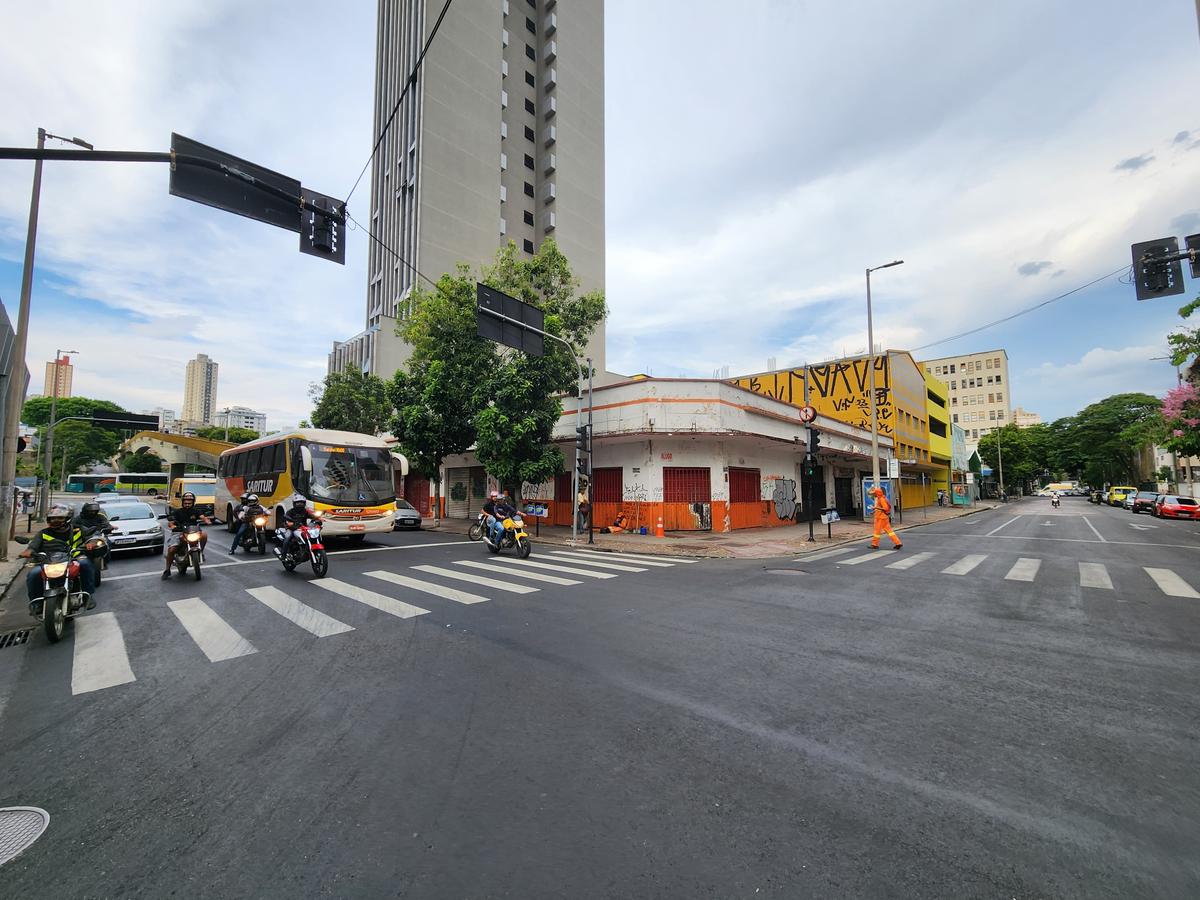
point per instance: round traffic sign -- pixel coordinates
(807, 414)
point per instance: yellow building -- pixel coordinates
(937, 404)
(841, 389)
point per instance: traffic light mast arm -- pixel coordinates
(1189, 255)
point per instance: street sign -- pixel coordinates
(499, 318)
(235, 185)
(1154, 276)
(125, 421)
(322, 236)
(807, 414)
(893, 468)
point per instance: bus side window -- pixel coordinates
(279, 461)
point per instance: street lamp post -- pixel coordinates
(58, 354)
(871, 369)
(16, 398)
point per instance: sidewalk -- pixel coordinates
(750, 543)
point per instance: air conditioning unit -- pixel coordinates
(549, 220)
(550, 24)
(550, 107)
(550, 193)
(550, 162)
(551, 78)
(550, 51)
(549, 135)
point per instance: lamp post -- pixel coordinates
(58, 355)
(871, 369)
(8, 465)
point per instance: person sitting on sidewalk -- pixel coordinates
(616, 527)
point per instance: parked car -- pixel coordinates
(1096, 497)
(1171, 506)
(1143, 502)
(1117, 494)
(406, 515)
(135, 527)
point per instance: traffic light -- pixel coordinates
(20, 444)
(583, 439)
(810, 467)
(582, 466)
(814, 441)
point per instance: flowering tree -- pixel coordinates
(1181, 412)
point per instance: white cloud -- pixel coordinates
(1102, 372)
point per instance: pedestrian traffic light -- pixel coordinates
(583, 439)
(810, 467)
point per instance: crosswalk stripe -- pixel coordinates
(503, 570)
(100, 658)
(857, 560)
(1094, 575)
(824, 554)
(909, 561)
(479, 579)
(570, 570)
(965, 565)
(598, 563)
(1171, 584)
(428, 587)
(1024, 569)
(213, 635)
(392, 607)
(621, 557)
(644, 557)
(311, 620)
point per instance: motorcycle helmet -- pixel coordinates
(58, 516)
(249, 499)
(245, 498)
(188, 495)
(91, 508)
(493, 495)
(299, 503)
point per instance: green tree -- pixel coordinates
(1185, 343)
(141, 462)
(78, 444)
(1109, 435)
(351, 400)
(236, 435)
(1025, 453)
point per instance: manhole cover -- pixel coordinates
(15, 638)
(20, 826)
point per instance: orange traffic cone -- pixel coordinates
(658, 530)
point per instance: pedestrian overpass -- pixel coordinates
(178, 451)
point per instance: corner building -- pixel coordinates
(501, 138)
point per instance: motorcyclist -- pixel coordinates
(237, 510)
(502, 508)
(92, 520)
(179, 520)
(247, 510)
(489, 509)
(293, 519)
(1054, 495)
(59, 534)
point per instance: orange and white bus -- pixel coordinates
(347, 476)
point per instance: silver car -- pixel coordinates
(135, 527)
(407, 515)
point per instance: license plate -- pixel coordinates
(357, 526)
(125, 540)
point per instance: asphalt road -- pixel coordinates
(833, 727)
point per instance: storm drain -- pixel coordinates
(20, 826)
(14, 638)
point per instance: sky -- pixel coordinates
(754, 168)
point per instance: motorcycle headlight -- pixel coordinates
(193, 538)
(260, 521)
(317, 514)
(55, 570)
(518, 522)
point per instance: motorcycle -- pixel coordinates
(1054, 502)
(63, 597)
(514, 535)
(305, 546)
(188, 552)
(96, 547)
(255, 535)
(478, 527)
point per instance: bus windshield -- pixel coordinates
(350, 475)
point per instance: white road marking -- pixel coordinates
(1024, 569)
(1171, 584)
(1093, 527)
(498, 585)
(1141, 527)
(874, 554)
(909, 561)
(824, 554)
(569, 570)
(504, 570)
(428, 587)
(999, 527)
(965, 565)
(668, 561)
(311, 620)
(213, 635)
(599, 564)
(392, 607)
(100, 658)
(580, 555)
(1094, 575)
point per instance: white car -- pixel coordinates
(135, 527)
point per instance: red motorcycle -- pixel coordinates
(305, 546)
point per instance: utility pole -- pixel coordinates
(871, 370)
(591, 464)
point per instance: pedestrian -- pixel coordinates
(585, 507)
(883, 519)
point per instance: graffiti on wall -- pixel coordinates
(784, 497)
(840, 390)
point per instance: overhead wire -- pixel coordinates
(386, 246)
(412, 79)
(1027, 310)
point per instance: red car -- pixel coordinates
(1143, 501)
(1169, 506)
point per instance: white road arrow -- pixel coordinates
(1044, 524)
(1141, 527)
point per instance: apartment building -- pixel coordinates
(200, 391)
(1024, 418)
(60, 373)
(501, 138)
(241, 417)
(979, 388)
